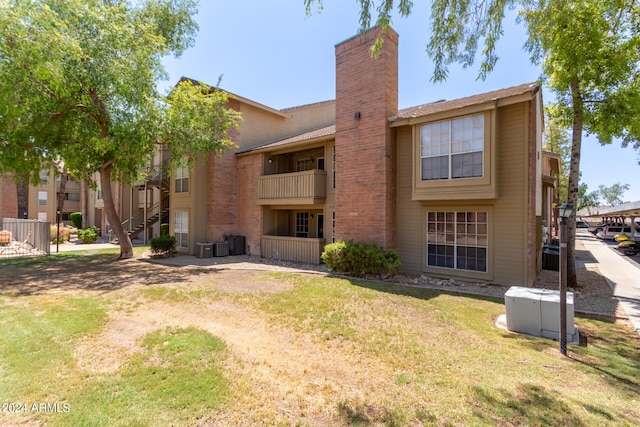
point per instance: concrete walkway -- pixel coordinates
(621, 272)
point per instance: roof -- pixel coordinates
(443, 105)
(309, 136)
(241, 98)
(404, 115)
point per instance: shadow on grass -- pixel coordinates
(410, 290)
(94, 272)
(529, 405)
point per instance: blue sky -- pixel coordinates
(271, 53)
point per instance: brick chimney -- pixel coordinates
(366, 95)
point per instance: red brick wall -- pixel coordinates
(365, 147)
(249, 212)
(222, 198)
(9, 199)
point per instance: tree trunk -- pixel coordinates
(64, 176)
(84, 202)
(574, 180)
(126, 248)
(22, 198)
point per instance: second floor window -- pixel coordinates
(42, 198)
(44, 178)
(182, 179)
(452, 149)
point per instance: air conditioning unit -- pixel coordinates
(221, 249)
(204, 250)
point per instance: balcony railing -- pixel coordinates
(296, 249)
(308, 187)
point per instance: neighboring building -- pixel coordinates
(456, 187)
(8, 198)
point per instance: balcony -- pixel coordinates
(296, 249)
(300, 188)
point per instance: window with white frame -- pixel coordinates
(333, 168)
(42, 216)
(181, 228)
(42, 198)
(458, 240)
(333, 227)
(302, 224)
(73, 197)
(182, 179)
(452, 149)
(44, 178)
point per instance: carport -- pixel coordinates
(616, 213)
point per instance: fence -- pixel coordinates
(24, 237)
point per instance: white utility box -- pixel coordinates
(536, 312)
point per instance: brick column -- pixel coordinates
(366, 96)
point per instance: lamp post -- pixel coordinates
(57, 230)
(564, 212)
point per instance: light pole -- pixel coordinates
(57, 230)
(564, 212)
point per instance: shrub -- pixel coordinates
(88, 235)
(163, 245)
(63, 235)
(76, 219)
(361, 259)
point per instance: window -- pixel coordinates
(452, 149)
(320, 163)
(44, 178)
(42, 216)
(99, 192)
(303, 165)
(74, 197)
(42, 198)
(457, 240)
(181, 228)
(333, 168)
(302, 224)
(182, 179)
(333, 227)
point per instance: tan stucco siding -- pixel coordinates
(410, 228)
(510, 223)
(259, 126)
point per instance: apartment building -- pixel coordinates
(457, 187)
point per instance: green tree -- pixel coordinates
(78, 84)
(586, 199)
(589, 51)
(556, 140)
(613, 195)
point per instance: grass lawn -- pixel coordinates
(194, 346)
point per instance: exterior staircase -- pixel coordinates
(158, 212)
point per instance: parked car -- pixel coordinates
(595, 229)
(610, 231)
(582, 224)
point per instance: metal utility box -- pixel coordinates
(204, 250)
(221, 249)
(236, 245)
(537, 312)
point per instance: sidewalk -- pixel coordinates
(621, 272)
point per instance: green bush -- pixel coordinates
(164, 229)
(163, 245)
(63, 235)
(361, 259)
(76, 219)
(88, 235)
